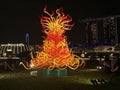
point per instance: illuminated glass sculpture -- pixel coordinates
(55, 53)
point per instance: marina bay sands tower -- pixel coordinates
(102, 30)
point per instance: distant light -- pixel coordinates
(34, 73)
(99, 67)
(85, 52)
(32, 65)
(10, 44)
(4, 54)
(102, 59)
(98, 59)
(9, 50)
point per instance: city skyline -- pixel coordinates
(23, 17)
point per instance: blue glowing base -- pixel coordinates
(51, 73)
(55, 72)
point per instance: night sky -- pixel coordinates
(23, 16)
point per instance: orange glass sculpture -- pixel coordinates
(55, 52)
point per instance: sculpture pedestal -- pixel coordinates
(47, 72)
(55, 72)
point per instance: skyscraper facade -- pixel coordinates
(102, 30)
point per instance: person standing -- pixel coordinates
(116, 67)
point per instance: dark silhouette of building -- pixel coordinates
(102, 30)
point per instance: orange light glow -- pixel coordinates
(55, 51)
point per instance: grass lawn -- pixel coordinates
(74, 80)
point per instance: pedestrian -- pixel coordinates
(116, 67)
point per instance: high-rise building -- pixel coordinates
(91, 33)
(102, 30)
(109, 26)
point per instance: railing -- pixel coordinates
(5, 58)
